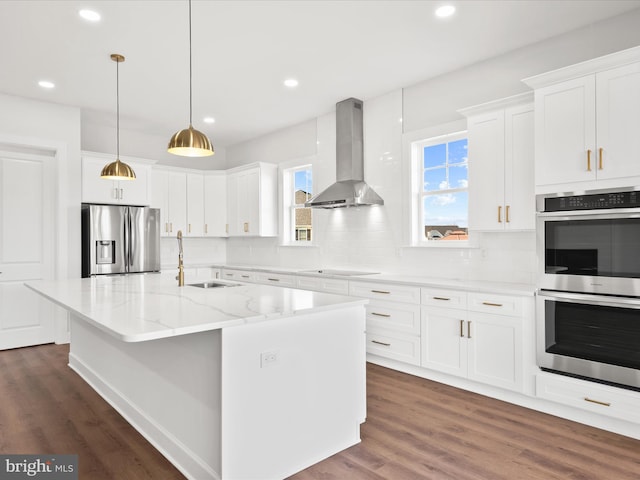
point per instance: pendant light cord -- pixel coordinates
(190, 73)
(117, 110)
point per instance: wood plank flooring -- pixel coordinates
(415, 429)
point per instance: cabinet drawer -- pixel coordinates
(239, 275)
(440, 297)
(328, 285)
(398, 317)
(393, 293)
(278, 279)
(405, 348)
(593, 397)
(497, 304)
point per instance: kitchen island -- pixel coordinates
(232, 382)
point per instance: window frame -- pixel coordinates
(417, 146)
(289, 206)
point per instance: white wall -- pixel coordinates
(101, 138)
(374, 238)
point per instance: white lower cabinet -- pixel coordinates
(277, 279)
(470, 342)
(322, 284)
(590, 396)
(239, 275)
(393, 320)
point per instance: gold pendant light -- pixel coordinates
(117, 170)
(190, 142)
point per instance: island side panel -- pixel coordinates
(293, 392)
(168, 389)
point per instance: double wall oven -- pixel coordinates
(588, 305)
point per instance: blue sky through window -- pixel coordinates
(303, 180)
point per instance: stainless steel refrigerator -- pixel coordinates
(120, 239)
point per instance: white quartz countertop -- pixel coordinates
(506, 288)
(138, 308)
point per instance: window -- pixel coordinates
(298, 184)
(443, 191)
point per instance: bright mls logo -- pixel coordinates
(50, 467)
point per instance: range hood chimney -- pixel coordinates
(350, 189)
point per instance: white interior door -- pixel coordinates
(27, 243)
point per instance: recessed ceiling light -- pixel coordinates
(445, 11)
(46, 84)
(209, 120)
(291, 83)
(89, 15)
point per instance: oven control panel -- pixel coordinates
(597, 201)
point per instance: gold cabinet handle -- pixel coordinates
(206, 228)
(170, 227)
(468, 328)
(245, 276)
(246, 227)
(380, 291)
(166, 227)
(600, 158)
(588, 160)
(226, 228)
(499, 213)
(381, 343)
(441, 298)
(605, 404)
(462, 328)
(273, 279)
(489, 304)
(121, 194)
(385, 315)
(189, 229)
(506, 213)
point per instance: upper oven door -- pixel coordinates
(590, 251)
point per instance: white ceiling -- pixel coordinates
(243, 50)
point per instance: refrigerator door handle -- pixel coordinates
(127, 239)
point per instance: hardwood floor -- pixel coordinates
(415, 429)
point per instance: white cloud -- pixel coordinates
(441, 200)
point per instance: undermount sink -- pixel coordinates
(212, 284)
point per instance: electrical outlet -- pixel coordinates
(268, 358)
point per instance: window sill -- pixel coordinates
(446, 244)
(302, 245)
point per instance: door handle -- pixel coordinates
(499, 213)
(506, 213)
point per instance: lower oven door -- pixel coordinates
(590, 336)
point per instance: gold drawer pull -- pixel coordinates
(245, 276)
(441, 298)
(380, 291)
(246, 227)
(489, 304)
(506, 213)
(462, 328)
(381, 343)
(381, 314)
(606, 404)
(273, 279)
(499, 214)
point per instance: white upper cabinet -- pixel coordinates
(215, 204)
(195, 205)
(587, 119)
(169, 194)
(252, 200)
(501, 165)
(125, 192)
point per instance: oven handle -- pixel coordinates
(606, 213)
(604, 300)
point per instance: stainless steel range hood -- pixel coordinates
(350, 189)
